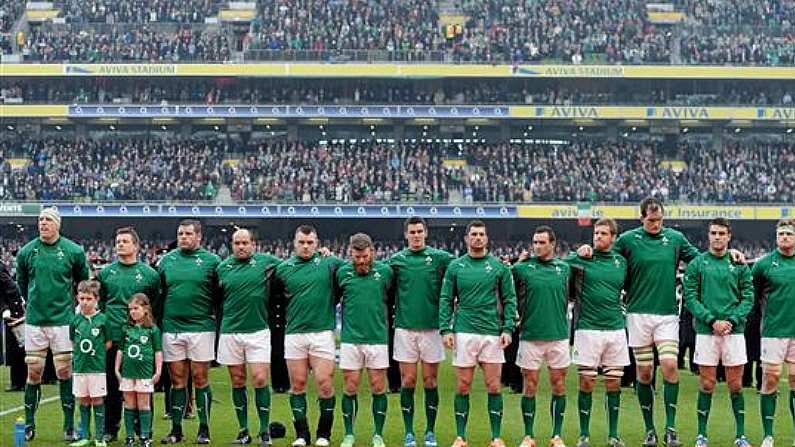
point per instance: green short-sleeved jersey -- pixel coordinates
(88, 335)
(138, 347)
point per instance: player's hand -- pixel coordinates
(505, 259)
(524, 256)
(721, 327)
(155, 378)
(449, 341)
(118, 376)
(505, 340)
(737, 256)
(585, 251)
(324, 252)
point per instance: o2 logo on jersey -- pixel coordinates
(134, 352)
(87, 347)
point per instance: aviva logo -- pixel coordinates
(567, 112)
(776, 113)
(677, 112)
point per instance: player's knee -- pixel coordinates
(429, 381)
(493, 385)
(259, 379)
(408, 380)
(463, 386)
(63, 364)
(735, 385)
(707, 384)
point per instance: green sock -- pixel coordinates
(738, 407)
(379, 412)
(262, 399)
(99, 421)
(558, 408)
(145, 419)
(613, 406)
(767, 407)
(529, 415)
(431, 408)
(670, 398)
(495, 414)
(350, 406)
(326, 419)
(204, 401)
(298, 406)
(179, 397)
(407, 408)
(584, 404)
(461, 408)
(32, 398)
(240, 401)
(67, 403)
(704, 405)
(129, 421)
(85, 421)
(646, 399)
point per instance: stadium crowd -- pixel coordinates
(78, 43)
(137, 11)
(371, 172)
(277, 91)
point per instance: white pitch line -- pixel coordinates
(22, 407)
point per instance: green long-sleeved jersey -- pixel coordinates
(307, 285)
(653, 260)
(542, 291)
(717, 289)
(366, 300)
(190, 290)
(596, 287)
(119, 282)
(246, 288)
(419, 275)
(47, 276)
(774, 283)
(477, 297)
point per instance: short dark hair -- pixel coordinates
(197, 226)
(131, 231)
(89, 286)
(650, 205)
(305, 229)
(414, 220)
(609, 223)
(475, 223)
(546, 229)
(361, 241)
(721, 222)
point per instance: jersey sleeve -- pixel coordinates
(688, 250)
(80, 270)
(746, 288)
(447, 300)
(157, 339)
(508, 295)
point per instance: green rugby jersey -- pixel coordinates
(190, 290)
(542, 290)
(365, 303)
(245, 286)
(307, 285)
(419, 275)
(477, 297)
(597, 284)
(119, 283)
(138, 348)
(717, 289)
(47, 276)
(653, 261)
(774, 282)
(88, 335)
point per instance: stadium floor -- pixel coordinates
(224, 424)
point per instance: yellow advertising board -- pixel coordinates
(675, 212)
(392, 70)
